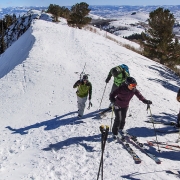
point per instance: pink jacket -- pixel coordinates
(122, 96)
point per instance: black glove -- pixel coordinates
(90, 104)
(147, 101)
(107, 80)
(112, 100)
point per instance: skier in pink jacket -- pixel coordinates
(121, 98)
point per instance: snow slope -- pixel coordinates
(40, 136)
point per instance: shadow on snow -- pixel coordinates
(55, 122)
(129, 176)
(74, 140)
(150, 130)
(168, 75)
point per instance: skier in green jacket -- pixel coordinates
(119, 75)
(84, 88)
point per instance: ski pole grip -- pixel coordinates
(107, 128)
(101, 128)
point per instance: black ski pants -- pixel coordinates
(119, 121)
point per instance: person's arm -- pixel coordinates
(77, 83)
(90, 91)
(141, 97)
(112, 96)
(108, 77)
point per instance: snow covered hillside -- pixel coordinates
(40, 136)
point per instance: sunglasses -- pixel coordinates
(133, 85)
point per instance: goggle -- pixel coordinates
(133, 85)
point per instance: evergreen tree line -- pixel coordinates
(7, 21)
(76, 16)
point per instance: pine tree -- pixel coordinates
(175, 55)
(55, 10)
(2, 45)
(78, 15)
(159, 37)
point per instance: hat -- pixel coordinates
(85, 77)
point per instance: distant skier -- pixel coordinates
(178, 116)
(121, 98)
(120, 73)
(84, 87)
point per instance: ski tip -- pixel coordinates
(137, 162)
(158, 162)
(150, 143)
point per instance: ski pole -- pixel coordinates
(112, 118)
(104, 136)
(130, 112)
(102, 129)
(148, 107)
(102, 96)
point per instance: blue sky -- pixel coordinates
(7, 3)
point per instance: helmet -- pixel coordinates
(85, 77)
(130, 80)
(115, 71)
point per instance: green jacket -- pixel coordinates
(83, 89)
(120, 78)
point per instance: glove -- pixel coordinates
(112, 101)
(147, 101)
(90, 104)
(178, 98)
(107, 80)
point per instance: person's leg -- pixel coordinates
(117, 120)
(81, 105)
(123, 118)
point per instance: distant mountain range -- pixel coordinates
(18, 11)
(105, 11)
(118, 11)
(121, 21)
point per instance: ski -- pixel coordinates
(103, 113)
(164, 145)
(175, 172)
(122, 140)
(142, 148)
(171, 123)
(168, 131)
